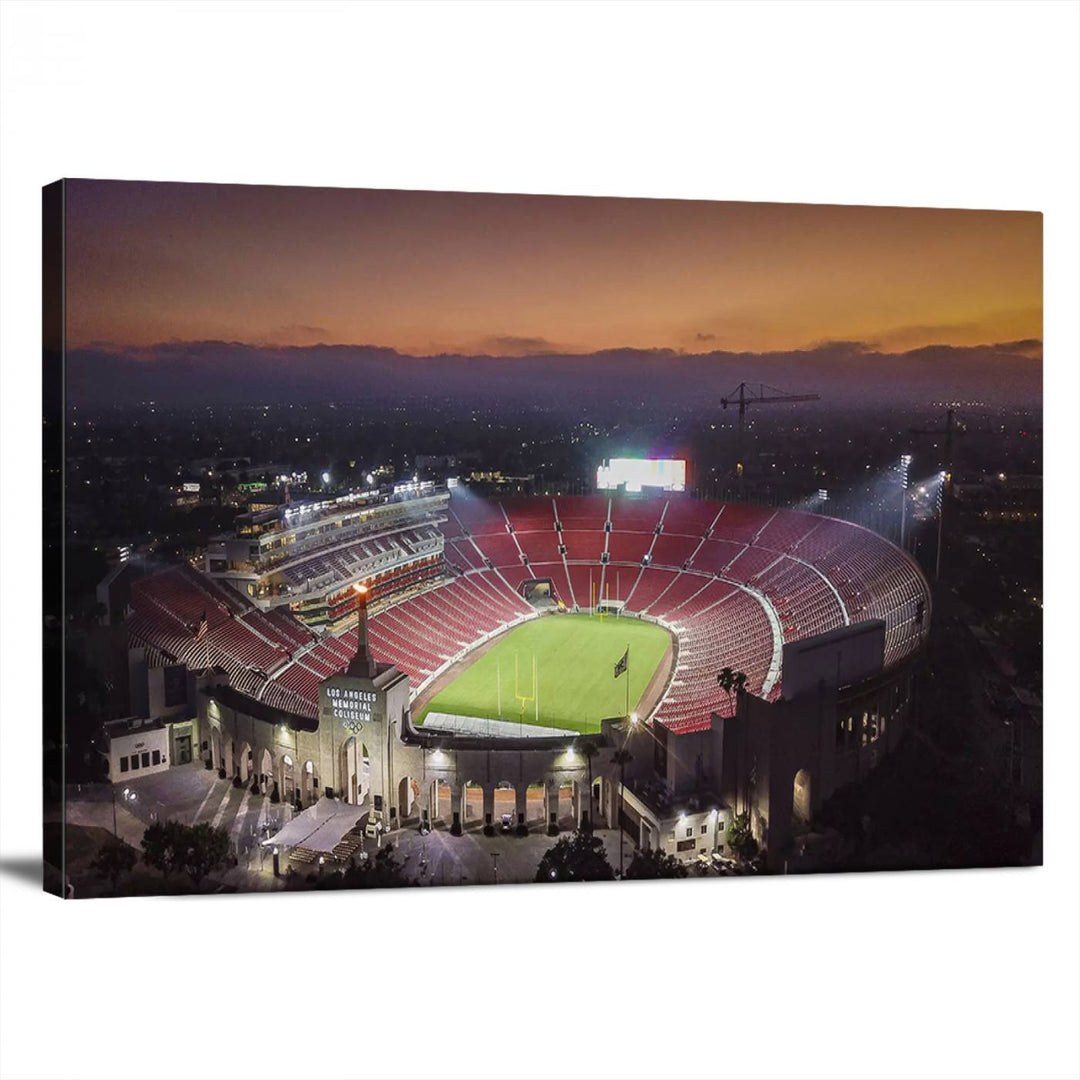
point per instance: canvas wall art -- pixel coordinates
(410, 539)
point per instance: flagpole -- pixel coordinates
(628, 679)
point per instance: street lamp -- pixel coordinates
(128, 796)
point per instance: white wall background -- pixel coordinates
(968, 104)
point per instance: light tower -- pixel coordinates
(905, 468)
(943, 479)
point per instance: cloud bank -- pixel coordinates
(843, 372)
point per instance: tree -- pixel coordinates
(205, 849)
(196, 849)
(384, 871)
(647, 865)
(113, 860)
(577, 857)
(739, 837)
(163, 844)
(733, 683)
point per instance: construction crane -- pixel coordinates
(744, 395)
(952, 428)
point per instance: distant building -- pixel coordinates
(1002, 497)
(136, 747)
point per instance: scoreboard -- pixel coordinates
(634, 474)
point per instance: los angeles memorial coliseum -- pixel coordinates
(429, 658)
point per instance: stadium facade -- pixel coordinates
(297, 655)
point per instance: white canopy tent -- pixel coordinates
(320, 827)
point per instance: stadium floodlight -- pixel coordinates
(370, 479)
(361, 589)
(633, 718)
(905, 465)
(823, 494)
(326, 478)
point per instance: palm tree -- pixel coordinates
(733, 683)
(621, 757)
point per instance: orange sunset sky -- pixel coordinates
(512, 275)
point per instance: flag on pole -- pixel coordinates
(624, 662)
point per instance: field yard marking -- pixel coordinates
(575, 653)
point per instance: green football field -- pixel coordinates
(575, 658)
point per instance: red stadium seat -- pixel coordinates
(761, 573)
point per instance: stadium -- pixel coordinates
(524, 622)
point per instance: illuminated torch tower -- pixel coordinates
(363, 664)
(361, 714)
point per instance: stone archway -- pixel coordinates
(353, 771)
(568, 804)
(800, 798)
(472, 803)
(504, 802)
(441, 802)
(266, 771)
(408, 799)
(534, 804)
(287, 779)
(245, 762)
